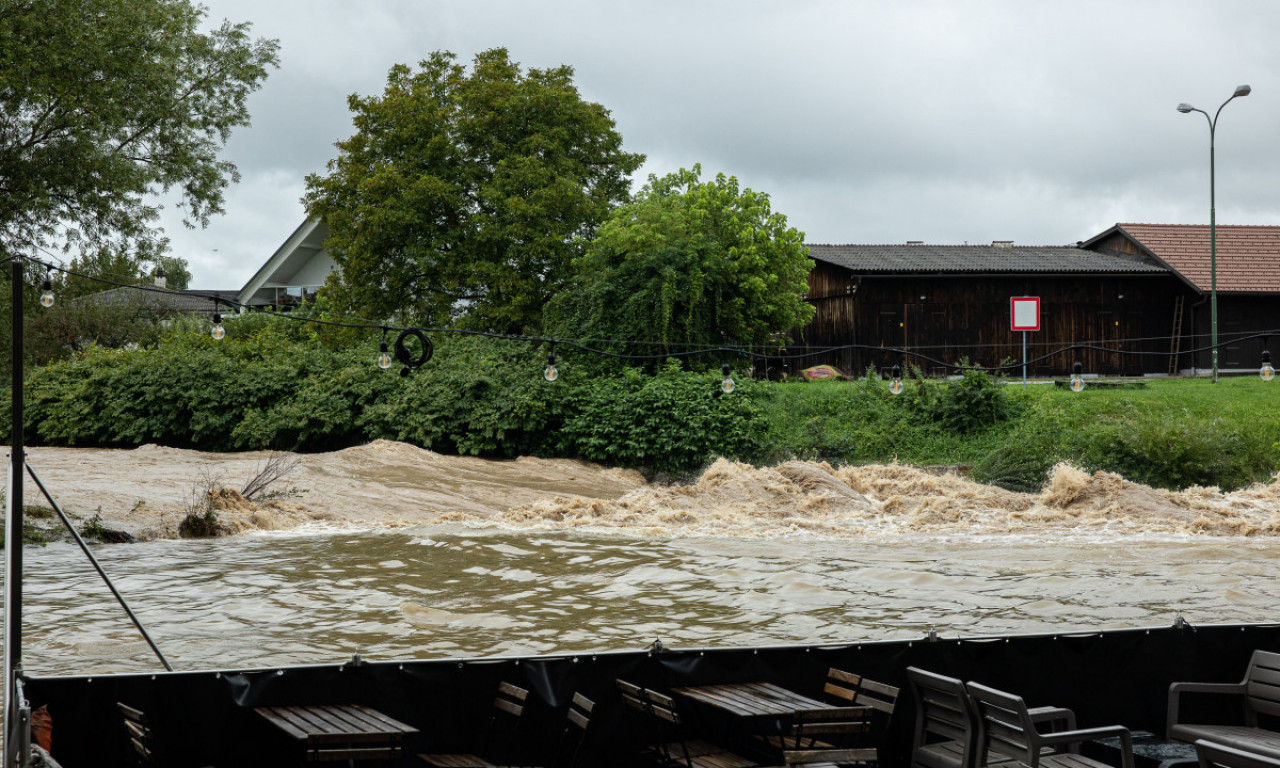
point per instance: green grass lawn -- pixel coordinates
(1170, 433)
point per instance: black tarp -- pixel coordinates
(1107, 677)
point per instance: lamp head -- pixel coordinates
(1241, 90)
(1184, 108)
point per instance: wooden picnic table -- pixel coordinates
(347, 732)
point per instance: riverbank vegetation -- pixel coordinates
(273, 384)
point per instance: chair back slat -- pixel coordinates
(139, 734)
(881, 697)
(575, 731)
(842, 685)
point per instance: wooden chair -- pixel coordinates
(138, 729)
(578, 719)
(828, 738)
(668, 743)
(500, 735)
(1007, 728)
(848, 688)
(1213, 755)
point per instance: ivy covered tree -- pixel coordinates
(464, 196)
(104, 104)
(690, 261)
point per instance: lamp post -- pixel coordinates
(1241, 90)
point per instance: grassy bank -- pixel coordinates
(267, 386)
(1169, 433)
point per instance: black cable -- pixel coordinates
(691, 350)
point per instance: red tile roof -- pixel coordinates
(1248, 257)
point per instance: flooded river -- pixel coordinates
(395, 552)
(439, 591)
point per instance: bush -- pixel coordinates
(1167, 451)
(970, 404)
(670, 421)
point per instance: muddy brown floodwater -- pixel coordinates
(399, 553)
(385, 484)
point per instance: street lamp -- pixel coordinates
(1241, 90)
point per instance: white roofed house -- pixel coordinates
(294, 272)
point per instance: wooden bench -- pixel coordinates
(1258, 694)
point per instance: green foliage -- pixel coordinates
(71, 327)
(673, 420)
(199, 525)
(477, 396)
(270, 384)
(1168, 451)
(463, 197)
(106, 102)
(969, 404)
(87, 271)
(689, 262)
(1020, 463)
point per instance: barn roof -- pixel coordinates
(1248, 258)
(980, 259)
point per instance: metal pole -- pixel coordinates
(1024, 361)
(98, 567)
(13, 530)
(1213, 255)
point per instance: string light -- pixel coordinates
(1266, 372)
(551, 373)
(1077, 377)
(46, 298)
(384, 359)
(218, 331)
(895, 386)
(726, 385)
(692, 350)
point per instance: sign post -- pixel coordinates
(1024, 315)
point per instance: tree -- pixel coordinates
(104, 104)
(463, 197)
(689, 262)
(103, 269)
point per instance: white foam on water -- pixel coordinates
(815, 500)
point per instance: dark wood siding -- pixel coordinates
(943, 319)
(1240, 320)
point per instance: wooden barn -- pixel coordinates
(1132, 301)
(1248, 277)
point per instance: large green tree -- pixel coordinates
(106, 104)
(689, 262)
(464, 196)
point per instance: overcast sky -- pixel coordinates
(951, 121)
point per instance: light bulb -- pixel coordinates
(1077, 378)
(384, 360)
(551, 373)
(726, 385)
(46, 298)
(1266, 372)
(895, 386)
(218, 331)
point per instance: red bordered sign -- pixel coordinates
(1024, 313)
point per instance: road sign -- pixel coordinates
(1024, 313)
